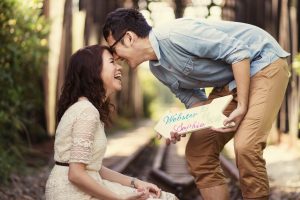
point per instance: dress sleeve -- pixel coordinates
(83, 135)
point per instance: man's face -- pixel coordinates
(123, 48)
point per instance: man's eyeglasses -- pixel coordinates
(112, 47)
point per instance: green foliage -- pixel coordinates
(23, 54)
(120, 123)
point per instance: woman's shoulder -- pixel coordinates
(85, 107)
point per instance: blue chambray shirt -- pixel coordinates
(195, 53)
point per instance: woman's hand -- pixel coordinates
(141, 194)
(153, 189)
(233, 121)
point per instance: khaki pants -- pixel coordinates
(267, 90)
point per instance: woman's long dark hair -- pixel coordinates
(83, 79)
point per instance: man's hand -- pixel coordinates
(175, 137)
(158, 135)
(241, 73)
(233, 121)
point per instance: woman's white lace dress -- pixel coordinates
(80, 137)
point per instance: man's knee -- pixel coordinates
(252, 171)
(206, 171)
(249, 150)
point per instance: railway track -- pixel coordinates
(161, 164)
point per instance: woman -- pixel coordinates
(80, 143)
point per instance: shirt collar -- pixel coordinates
(155, 46)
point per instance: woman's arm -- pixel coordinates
(114, 176)
(78, 176)
(81, 154)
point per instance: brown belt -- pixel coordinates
(62, 164)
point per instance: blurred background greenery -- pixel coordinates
(23, 55)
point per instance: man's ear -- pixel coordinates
(131, 37)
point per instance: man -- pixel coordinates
(234, 58)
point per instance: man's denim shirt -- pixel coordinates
(194, 54)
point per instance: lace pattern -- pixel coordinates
(80, 138)
(58, 186)
(83, 136)
(122, 190)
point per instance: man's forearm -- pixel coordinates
(241, 72)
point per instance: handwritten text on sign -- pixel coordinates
(194, 119)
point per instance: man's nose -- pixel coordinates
(119, 67)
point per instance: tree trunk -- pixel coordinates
(66, 45)
(179, 8)
(55, 12)
(45, 75)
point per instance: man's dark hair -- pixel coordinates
(122, 20)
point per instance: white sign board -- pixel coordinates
(193, 119)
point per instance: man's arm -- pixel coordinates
(196, 104)
(241, 72)
(208, 42)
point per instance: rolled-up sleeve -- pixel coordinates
(198, 95)
(189, 96)
(207, 42)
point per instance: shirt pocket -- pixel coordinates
(270, 71)
(188, 66)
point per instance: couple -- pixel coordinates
(185, 55)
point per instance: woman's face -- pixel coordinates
(111, 74)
